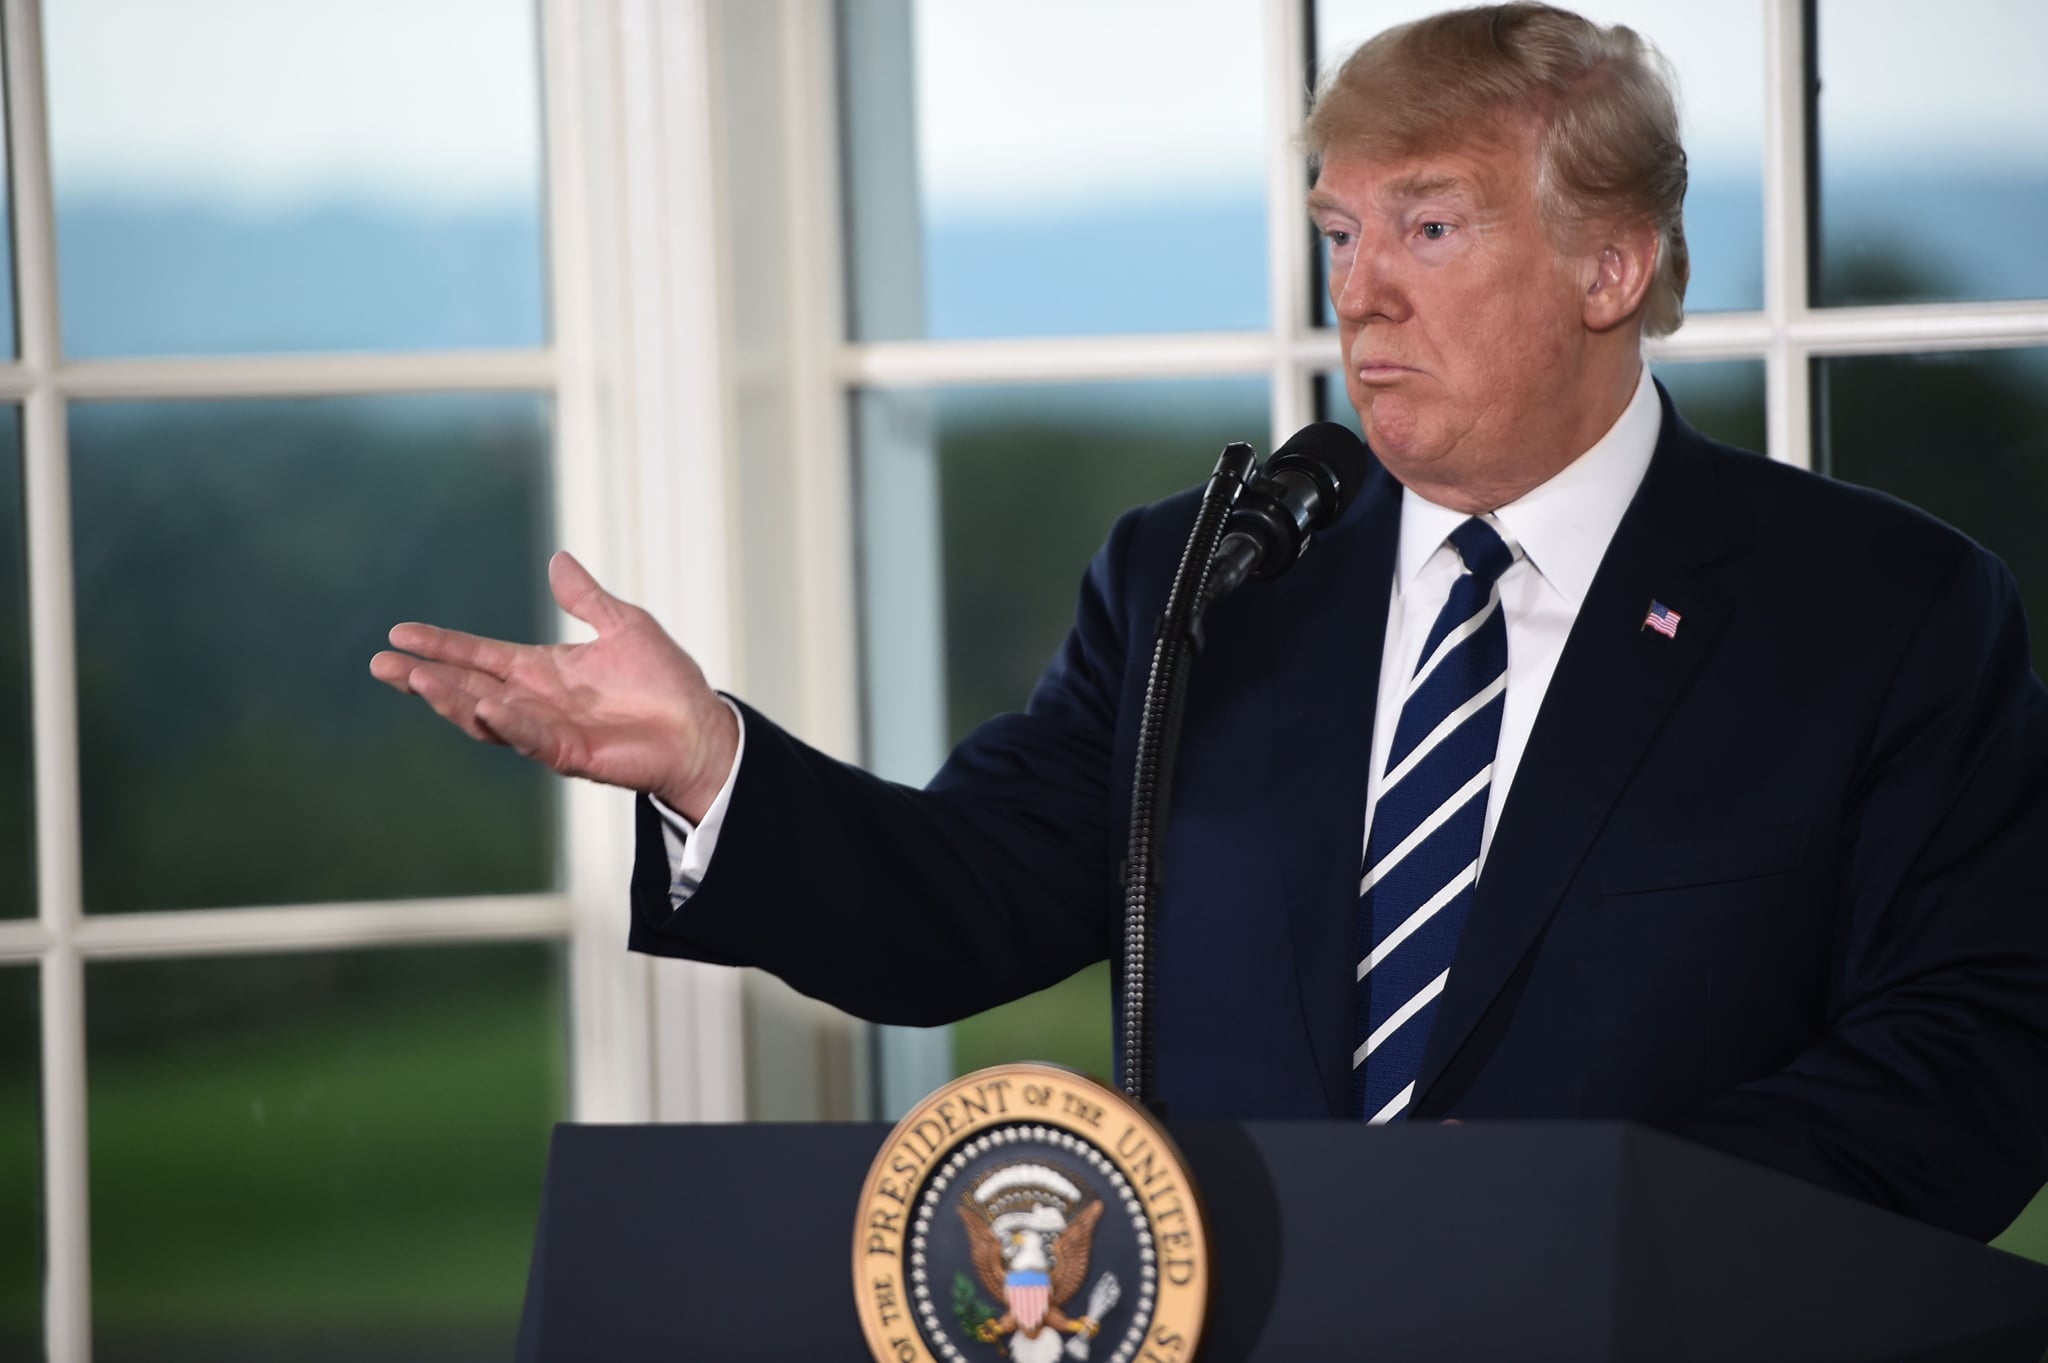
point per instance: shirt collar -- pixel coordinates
(1563, 525)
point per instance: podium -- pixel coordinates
(1512, 1240)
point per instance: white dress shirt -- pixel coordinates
(1563, 528)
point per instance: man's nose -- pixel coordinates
(1366, 286)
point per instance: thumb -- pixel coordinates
(577, 592)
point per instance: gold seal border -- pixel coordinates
(1059, 1099)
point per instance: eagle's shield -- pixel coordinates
(1027, 1293)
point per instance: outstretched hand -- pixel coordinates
(628, 708)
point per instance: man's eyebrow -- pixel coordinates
(1427, 186)
(1406, 189)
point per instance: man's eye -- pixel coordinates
(1435, 231)
(1336, 236)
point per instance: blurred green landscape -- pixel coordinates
(236, 565)
(333, 1155)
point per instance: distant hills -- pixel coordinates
(153, 277)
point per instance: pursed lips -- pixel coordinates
(1376, 370)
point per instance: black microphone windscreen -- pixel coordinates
(1333, 454)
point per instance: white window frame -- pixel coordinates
(1787, 334)
(634, 371)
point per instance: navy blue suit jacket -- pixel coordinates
(1776, 883)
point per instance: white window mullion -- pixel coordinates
(1058, 359)
(1909, 327)
(611, 1076)
(67, 1302)
(24, 939)
(1788, 398)
(1290, 266)
(293, 376)
(289, 928)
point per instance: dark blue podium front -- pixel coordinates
(1522, 1240)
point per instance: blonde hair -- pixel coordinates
(1607, 147)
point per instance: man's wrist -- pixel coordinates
(717, 751)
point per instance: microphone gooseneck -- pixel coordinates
(1173, 652)
(1241, 530)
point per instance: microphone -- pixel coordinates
(1304, 487)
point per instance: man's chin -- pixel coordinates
(1395, 429)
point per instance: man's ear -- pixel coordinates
(1621, 275)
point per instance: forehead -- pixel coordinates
(1480, 175)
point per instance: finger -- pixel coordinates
(522, 728)
(451, 699)
(494, 656)
(470, 682)
(578, 593)
(393, 669)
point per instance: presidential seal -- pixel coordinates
(1026, 1214)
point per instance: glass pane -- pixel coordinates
(1723, 399)
(980, 508)
(1063, 167)
(237, 565)
(17, 773)
(329, 1156)
(1964, 436)
(1717, 54)
(1932, 188)
(2028, 1234)
(234, 176)
(21, 1213)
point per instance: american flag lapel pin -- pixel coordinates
(1663, 619)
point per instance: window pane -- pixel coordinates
(17, 774)
(2028, 1234)
(1063, 167)
(980, 508)
(21, 1215)
(1964, 436)
(237, 564)
(327, 1156)
(238, 176)
(1933, 187)
(1722, 399)
(1717, 54)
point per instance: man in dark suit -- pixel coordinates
(1586, 768)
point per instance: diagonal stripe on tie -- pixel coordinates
(1449, 642)
(1421, 916)
(1422, 847)
(1384, 867)
(1394, 1107)
(1416, 1003)
(1444, 729)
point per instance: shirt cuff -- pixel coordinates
(690, 846)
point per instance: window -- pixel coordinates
(1832, 303)
(310, 341)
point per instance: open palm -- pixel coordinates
(629, 708)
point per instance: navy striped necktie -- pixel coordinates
(1422, 852)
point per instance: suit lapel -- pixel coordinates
(1336, 615)
(1614, 684)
